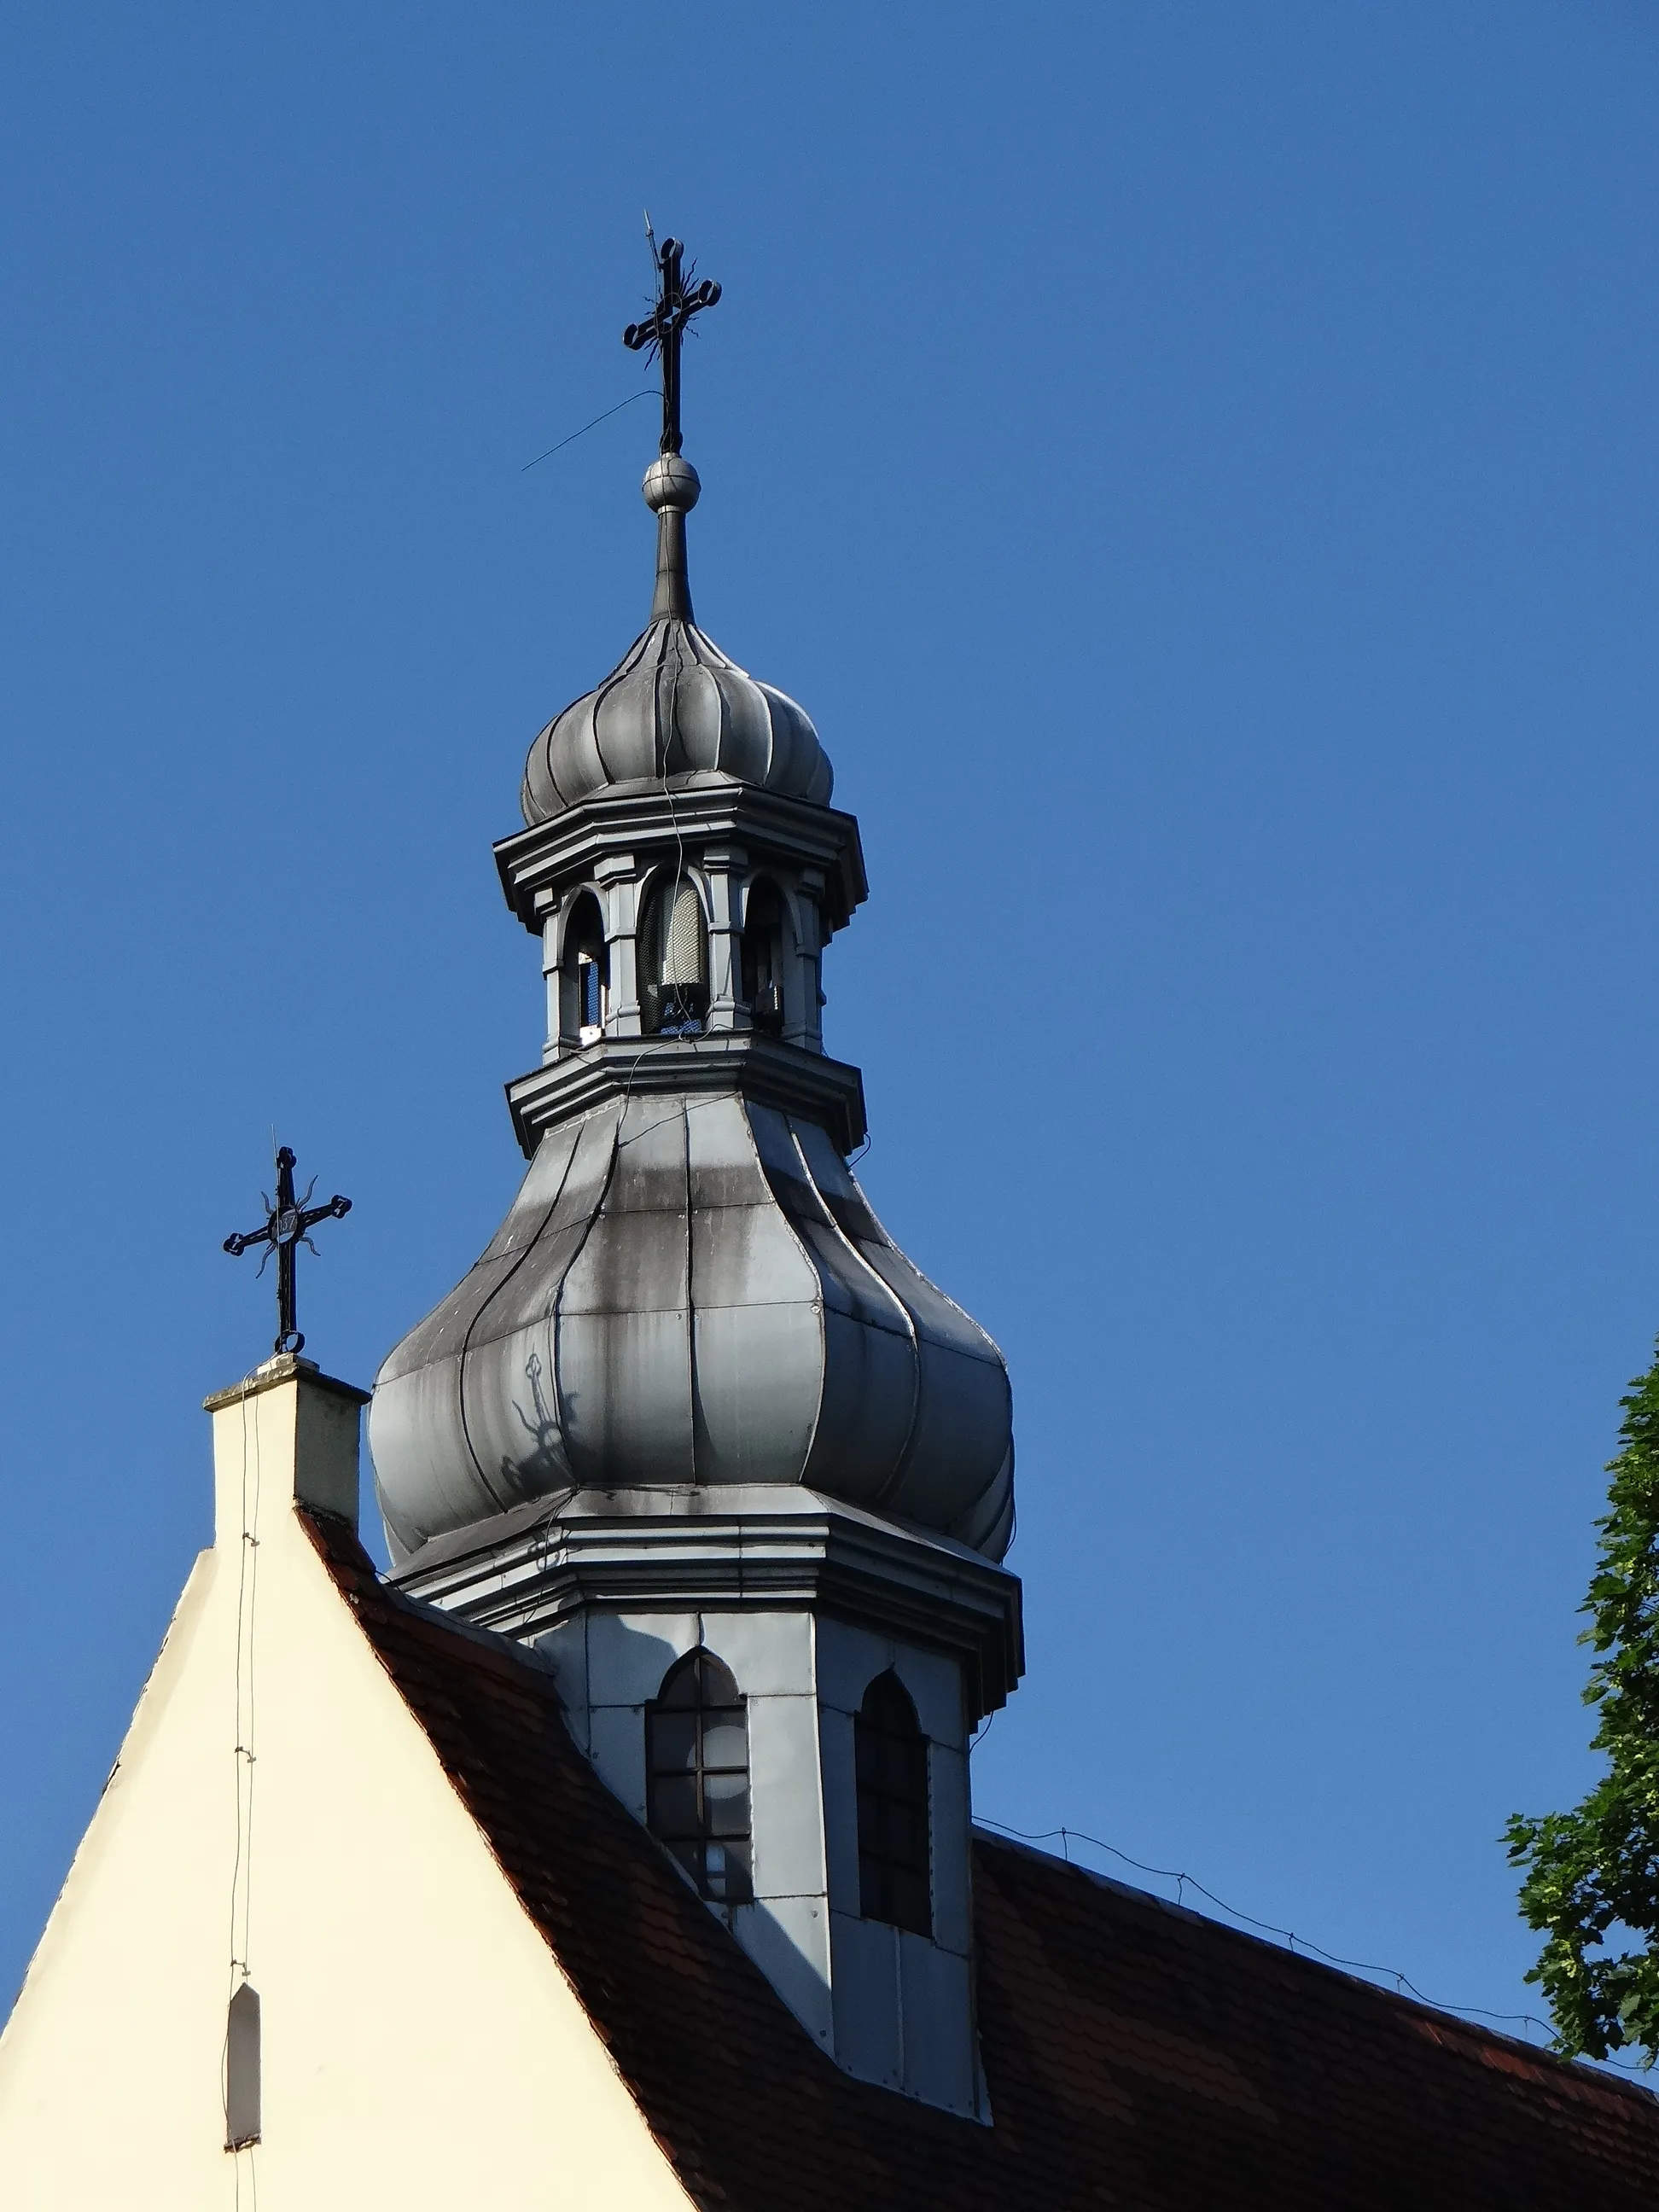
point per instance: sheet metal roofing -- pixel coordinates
(674, 707)
(1136, 2055)
(694, 1290)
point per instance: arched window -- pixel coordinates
(242, 2070)
(892, 1756)
(763, 956)
(586, 970)
(696, 1747)
(673, 953)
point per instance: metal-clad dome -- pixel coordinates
(694, 1290)
(691, 1289)
(675, 707)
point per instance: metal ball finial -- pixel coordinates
(671, 481)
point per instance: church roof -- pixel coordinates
(1136, 2055)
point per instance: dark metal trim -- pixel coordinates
(664, 331)
(552, 855)
(753, 1065)
(523, 1572)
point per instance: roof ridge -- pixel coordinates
(1577, 2070)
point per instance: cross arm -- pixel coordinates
(237, 1245)
(336, 1210)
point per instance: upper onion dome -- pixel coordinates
(690, 1291)
(675, 706)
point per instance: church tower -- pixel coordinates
(693, 1426)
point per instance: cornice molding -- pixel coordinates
(829, 1092)
(737, 1548)
(284, 1367)
(547, 859)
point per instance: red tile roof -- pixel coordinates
(1136, 2055)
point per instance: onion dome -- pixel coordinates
(694, 1290)
(690, 1291)
(675, 707)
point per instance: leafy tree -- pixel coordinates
(1592, 1875)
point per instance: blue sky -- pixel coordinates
(1197, 465)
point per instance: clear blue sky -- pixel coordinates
(1197, 464)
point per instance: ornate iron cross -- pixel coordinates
(677, 303)
(287, 1223)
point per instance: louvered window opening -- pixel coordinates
(697, 1776)
(891, 1752)
(674, 977)
(590, 1013)
(762, 957)
(586, 965)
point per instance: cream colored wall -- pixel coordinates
(422, 2048)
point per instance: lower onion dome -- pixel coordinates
(693, 1290)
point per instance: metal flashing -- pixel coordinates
(284, 1367)
(552, 856)
(740, 1063)
(739, 1547)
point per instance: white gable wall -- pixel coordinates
(421, 2045)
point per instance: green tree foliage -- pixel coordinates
(1592, 1875)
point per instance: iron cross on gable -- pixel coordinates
(287, 1226)
(677, 302)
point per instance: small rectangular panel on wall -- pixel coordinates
(629, 1653)
(788, 1939)
(849, 1660)
(936, 2010)
(565, 1647)
(952, 1828)
(786, 1805)
(867, 1999)
(841, 1811)
(617, 1747)
(770, 1654)
(625, 1658)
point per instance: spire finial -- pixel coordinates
(670, 486)
(677, 302)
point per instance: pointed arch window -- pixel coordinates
(696, 1741)
(674, 960)
(890, 1751)
(242, 2070)
(586, 971)
(763, 956)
